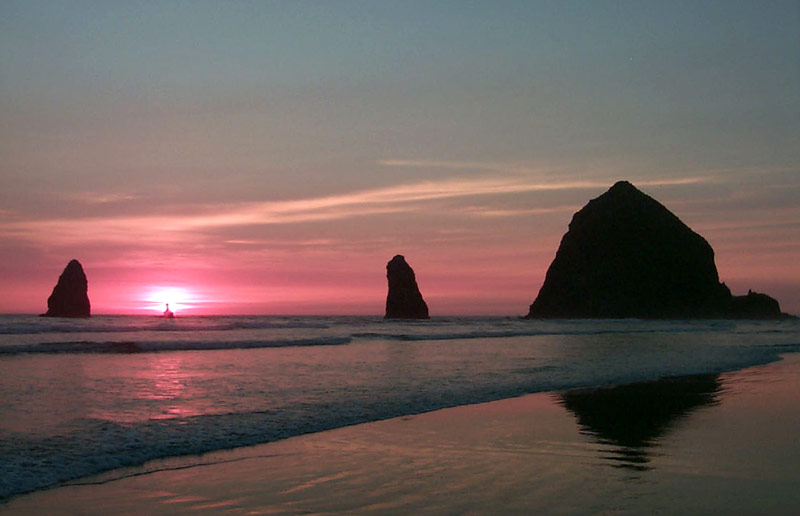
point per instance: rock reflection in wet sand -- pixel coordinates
(629, 420)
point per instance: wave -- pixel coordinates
(488, 334)
(149, 346)
(155, 346)
(32, 326)
(145, 334)
(372, 326)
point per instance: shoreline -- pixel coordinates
(97, 411)
(489, 455)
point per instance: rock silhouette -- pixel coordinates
(756, 306)
(404, 300)
(626, 255)
(70, 297)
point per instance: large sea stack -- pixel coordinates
(626, 255)
(404, 300)
(69, 297)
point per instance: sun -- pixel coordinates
(157, 298)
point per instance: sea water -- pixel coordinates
(79, 397)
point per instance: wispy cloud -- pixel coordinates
(456, 165)
(490, 212)
(393, 199)
(260, 242)
(101, 198)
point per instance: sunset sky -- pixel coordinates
(270, 157)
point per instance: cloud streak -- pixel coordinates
(380, 201)
(98, 198)
(455, 165)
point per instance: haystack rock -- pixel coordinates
(69, 297)
(404, 300)
(626, 255)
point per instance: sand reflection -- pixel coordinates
(630, 420)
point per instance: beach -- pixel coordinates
(399, 258)
(718, 443)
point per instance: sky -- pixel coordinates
(271, 157)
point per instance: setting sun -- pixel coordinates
(178, 299)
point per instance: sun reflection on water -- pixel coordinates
(168, 381)
(167, 393)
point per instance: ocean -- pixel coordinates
(85, 396)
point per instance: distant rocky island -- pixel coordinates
(404, 300)
(70, 296)
(625, 255)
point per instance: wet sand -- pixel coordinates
(711, 444)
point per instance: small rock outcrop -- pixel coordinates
(627, 256)
(756, 306)
(404, 300)
(70, 296)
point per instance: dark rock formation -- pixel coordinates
(69, 297)
(404, 300)
(626, 255)
(756, 306)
